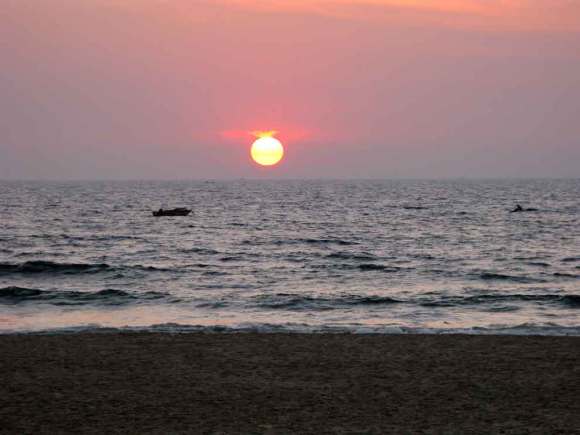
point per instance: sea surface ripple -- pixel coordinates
(354, 256)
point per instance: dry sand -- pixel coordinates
(288, 383)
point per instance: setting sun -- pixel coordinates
(267, 150)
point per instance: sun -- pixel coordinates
(267, 150)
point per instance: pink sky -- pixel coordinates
(368, 88)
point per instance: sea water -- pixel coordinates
(338, 256)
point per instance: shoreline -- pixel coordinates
(145, 382)
(521, 330)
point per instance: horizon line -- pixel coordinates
(457, 178)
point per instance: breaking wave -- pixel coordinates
(291, 301)
(16, 295)
(568, 300)
(50, 267)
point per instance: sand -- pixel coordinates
(288, 383)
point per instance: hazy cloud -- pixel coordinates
(523, 15)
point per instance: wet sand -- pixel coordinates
(288, 383)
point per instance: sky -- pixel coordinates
(172, 89)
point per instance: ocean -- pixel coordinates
(308, 256)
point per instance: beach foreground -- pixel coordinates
(288, 383)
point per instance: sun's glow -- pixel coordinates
(264, 133)
(267, 150)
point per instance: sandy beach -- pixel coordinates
(288, 383)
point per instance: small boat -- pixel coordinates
(182, 211)
(523, 210)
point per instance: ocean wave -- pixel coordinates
(310, 241)
(378, 267)
(37, 253)
(538, 264)
(50, 267)
(449, 301)
(232, 258)
(16, 295)
(291, 301)
(351, 256)
(490, 276)
(201, 251)
(566, 275)
(361, 267)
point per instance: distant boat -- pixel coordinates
(523, 210)
(182, 211)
